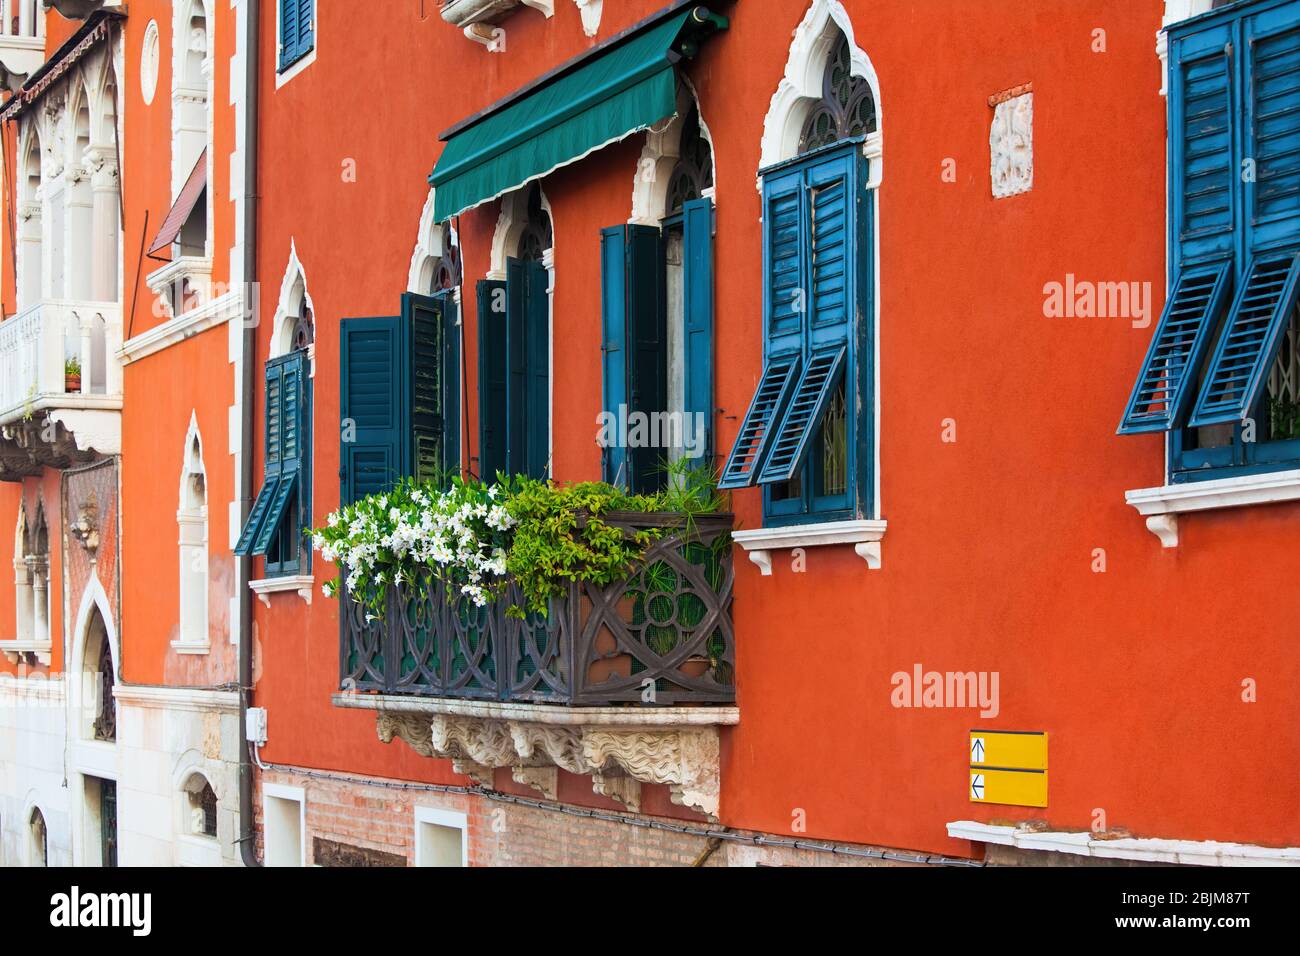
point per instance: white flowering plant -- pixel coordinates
(458, 535)
(470, 535)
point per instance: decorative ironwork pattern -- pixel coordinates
(693, 172)
(536, 237)
(668, 622)
(846, 108)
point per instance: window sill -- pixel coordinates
(863, 535)
(13, 650)
(286, 73)
(265, 587)
(191, 647)
(1161, 506)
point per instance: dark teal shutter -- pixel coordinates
(697, 256)
(613, 353)
(1250, 340)
(770, 400)
(492, 373)
(257, 516)
(538, 329)
(284, 492)
(306, 27)
(516, 367)
(1202, 167)
(1179, 345)
(288, 33)
(784, 222)
(451, 388)
(647, 338)
(1273, 126)
(799, 423)
(422, 320)
(372, 406)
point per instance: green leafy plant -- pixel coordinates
(471, 535)
(72, 366)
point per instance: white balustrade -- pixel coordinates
(36, 344)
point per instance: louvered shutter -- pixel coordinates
(516, 367)
(1250, 340)
(538, 330)
(756, 431)
(422, 321)
(613, 351)
(288, 32)
(804, 413)
(1177, 349)
(697, 256)
(451, 384)
(1273, 128)
(306, 26)
(784, 227)
(492, 373)
(1203, 169)
(647, 336)
(257, 516)
(372, 406)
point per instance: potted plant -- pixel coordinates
(72, 375)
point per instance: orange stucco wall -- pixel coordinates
(163, 390)
(1136, 673)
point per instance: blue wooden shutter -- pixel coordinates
(784, 253)
(492, 373)
(647, 338)
(451, 386)
(372, 406)
(798, 425)
(613, 353)
(257, 516)
(422, 320)
(1177, 349)
(516, 367)
(1250, 340)
(288, 33)
(1202, 165)
(537, 322)
(697, 256)
(756, 431)
(286, 443)
(1273, 124)
(306, 26)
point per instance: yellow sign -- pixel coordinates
(1008, 767)
(1010, 749)
(1017, 788)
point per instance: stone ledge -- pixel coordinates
(619, 747)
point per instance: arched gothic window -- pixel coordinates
(693, 173)
(846, 108)
(536, 237)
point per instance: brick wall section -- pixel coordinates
(357, 812)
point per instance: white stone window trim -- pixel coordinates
(1162, 505)
(265, 587)
(865, 535)
(196, 271)
(209, 315)
(150, 62)
(449, 819)
(293, 794)
(281, 78)
(193, 521)
(1185, 852)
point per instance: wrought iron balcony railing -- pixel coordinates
(666, 626)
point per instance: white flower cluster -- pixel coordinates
(459, 535)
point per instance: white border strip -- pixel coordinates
(1185, 852)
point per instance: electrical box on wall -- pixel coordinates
(255, 725)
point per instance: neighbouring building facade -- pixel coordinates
(986, 321)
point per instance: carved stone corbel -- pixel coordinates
(624, 790)
(414, 729)
(545, 780)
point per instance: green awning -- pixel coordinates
(622, 86)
